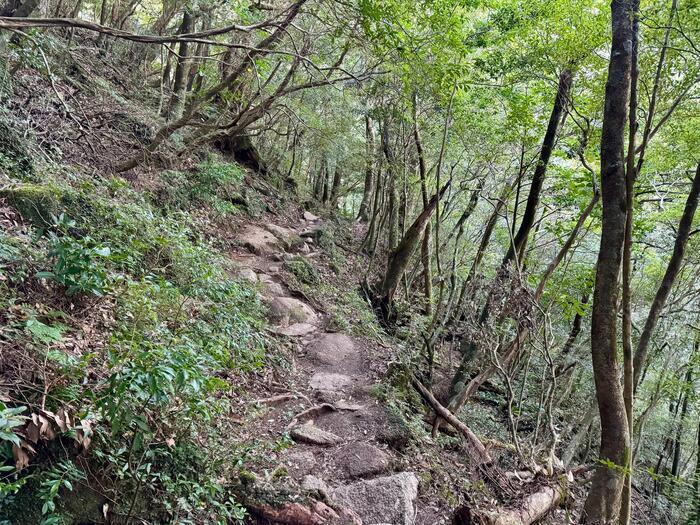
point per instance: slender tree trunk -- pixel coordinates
(604, 498)
(177, 101)
(425, 246)
(366, 205)
(104, 11)
(400, 257)
(672, 271)
(630, 178)
(391, 179)
(335, 188)
(687, 391)
(533, 198)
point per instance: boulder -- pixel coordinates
(287, 310)
(308, 216)
(313, 435)
(386, 500)
(282, 233)
(359, 460)
(271, 288)
(258, 240)
(332, 349)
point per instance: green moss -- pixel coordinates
(302, 270)
(36, 203)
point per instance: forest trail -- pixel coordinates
(336, 424)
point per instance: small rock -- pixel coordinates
(332, 349)
(313, 232)
(312, 483)
(389, 499)
(318, 513)
(346, 405)
(295, 330)
(314, 436)
(274, 269)
(327, 396)
(359, 460)
(310, 216)
(329, 381)
(287, 310)
(248, 275)
(273, 289)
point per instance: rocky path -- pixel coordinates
(339, 455)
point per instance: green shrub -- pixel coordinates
(78, 263)
(181, 324)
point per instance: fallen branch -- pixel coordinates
(530, 510)
(476, 447)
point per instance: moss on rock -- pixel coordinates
(36, 203)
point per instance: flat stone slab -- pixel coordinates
(329, 381)
(258, 240)
(386, 500)
(332, 349)
(287, 310)
(359, 460)
(295, 330)
(313, 435)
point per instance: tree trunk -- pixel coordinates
(182, 70)
(335, 187)
(400, 257)
(603, 503)
(672, 270)
(391, 179)
(425, 246)
(533, 198)
(366, 205)
(630, 178)
(103, 21)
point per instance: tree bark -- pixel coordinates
(400, 257)
(391, 179)
(669, 278)
(630, 178)
(366, 205)
(533, 198)
(425, 245)
(177, 100)
(603, 503)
